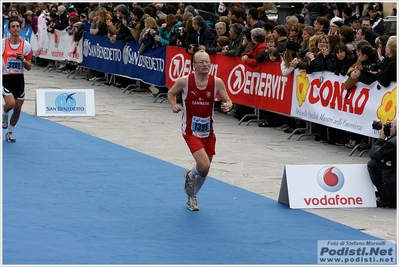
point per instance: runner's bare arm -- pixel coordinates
(176, 88)
(227, 104)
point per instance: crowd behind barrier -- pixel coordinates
(318, 97)
(298, 95)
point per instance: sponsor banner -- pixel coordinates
(123, 59)
(320, 97)
(327, 186)
(73, 102)
(356, 252)
(61, 47)
(25, 33)
(262, 87)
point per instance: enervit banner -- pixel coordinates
(263, 87)
(123, 59)
(320, 97)
(61, 46)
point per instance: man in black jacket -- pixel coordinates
(204, 35)
(382, 167)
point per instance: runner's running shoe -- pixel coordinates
(10, 138)
(192, 203)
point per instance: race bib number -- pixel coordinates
(14, 65)
(201, 127)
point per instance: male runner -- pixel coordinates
(199, 92)
(17, 55)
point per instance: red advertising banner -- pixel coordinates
(263, 87)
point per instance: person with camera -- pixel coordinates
(359, 71)
(386, 72)
(167, 29)
(221, 30)
(204, 35)
(236, 36)
(382, 164)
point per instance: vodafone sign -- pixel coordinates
(327, 186)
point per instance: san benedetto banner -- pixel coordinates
(320, 97)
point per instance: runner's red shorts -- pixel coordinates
(194, 144)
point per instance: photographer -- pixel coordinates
(382, 166)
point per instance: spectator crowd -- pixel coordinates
(344, 38)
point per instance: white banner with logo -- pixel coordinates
(320, 98)
(72, 102)
(327, 186)
(61, 47)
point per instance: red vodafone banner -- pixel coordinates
(262, 87)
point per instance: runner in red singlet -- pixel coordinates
(199, 90)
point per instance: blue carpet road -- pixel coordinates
(71, 198)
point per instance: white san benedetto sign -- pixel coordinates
(65, 102)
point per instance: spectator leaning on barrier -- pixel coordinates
(271, 42)
(288, 64)
(221, 30)
(386, 72)
(382, 166)
(63, 18)
(204, 35)
(137, 24)
(317, 61)
(124, 17)
(258, 37)
(343, 60)
(147, 40)
(358, 72)
(235, 47)
(167, 28)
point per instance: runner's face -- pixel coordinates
(202, 63)
(14, 28)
